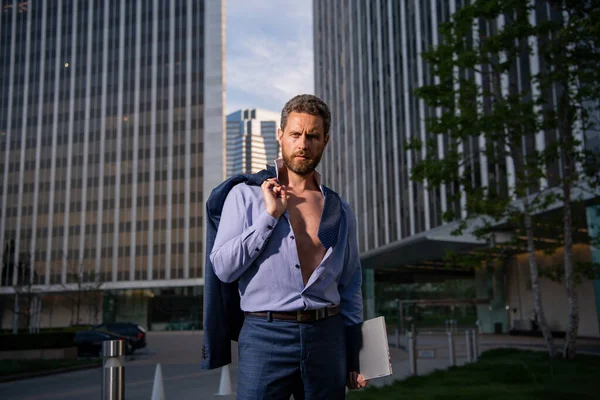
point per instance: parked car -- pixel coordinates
(180, 326)
(136, 333)
(89, 343)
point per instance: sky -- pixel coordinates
(269, 56)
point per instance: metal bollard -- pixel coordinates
(113, 370)
(451, 352)
(475, 342)
(469, 346)
(412, 354)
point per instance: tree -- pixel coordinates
(22, 278)
(573, 52)
(497, 119)
(82, 289)
(24, 290)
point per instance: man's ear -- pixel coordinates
(326, 140)
(279, 135)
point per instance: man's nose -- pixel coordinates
(303, 142)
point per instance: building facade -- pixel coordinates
(367, 67)
(112, 138)
(251, 140)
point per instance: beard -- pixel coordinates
(301, 167)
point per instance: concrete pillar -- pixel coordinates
(412, 353)
(499, 302)
(15, 328)
(369, 292)
(469, 345)
(475, 343)
(451, 349)
(482, 293)
(593, 222)
(490, 287)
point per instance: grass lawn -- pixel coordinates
(500, 374)
(15, 367)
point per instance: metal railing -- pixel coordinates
(408, 342)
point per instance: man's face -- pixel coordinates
(302, 142)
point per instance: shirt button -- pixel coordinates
(291, 237)
(269, 227)
(297, 266)
(257, 249)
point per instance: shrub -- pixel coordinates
(42, 340)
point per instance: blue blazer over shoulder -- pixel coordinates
(223, 317)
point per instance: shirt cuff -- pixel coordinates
(265, 224)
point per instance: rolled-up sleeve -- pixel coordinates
(239, 241)
(350, 284)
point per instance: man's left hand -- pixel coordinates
(356, 381)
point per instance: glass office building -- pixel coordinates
(251, 140)
(367, 66)
(111, 120)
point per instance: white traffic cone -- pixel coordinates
(158, 389)
(225, 383)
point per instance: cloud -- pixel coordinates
(269, 53)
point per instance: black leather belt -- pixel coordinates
(300, 315)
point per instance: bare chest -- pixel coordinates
(305, 217)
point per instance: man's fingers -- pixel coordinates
(279, 191)
(362, 382)
(356, 381)
(283, 194)
(351, 382)
(270, 184)
(270, 181)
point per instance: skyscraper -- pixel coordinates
(111, 115)
(251, 140)
(367, 66)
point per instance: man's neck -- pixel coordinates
(297, 183)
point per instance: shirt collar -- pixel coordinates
(280, 164)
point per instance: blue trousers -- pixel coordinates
(280, 358)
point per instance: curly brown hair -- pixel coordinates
(309, 104)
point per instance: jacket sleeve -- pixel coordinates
(351, 295)
(350, 282)
(239, 241)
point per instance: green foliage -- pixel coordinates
(49, 340)
(16, 367)
(505, 116)
(500, 374)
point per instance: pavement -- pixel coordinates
(179, 356)
(177, 352)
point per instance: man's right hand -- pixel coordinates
(356, 381)
(275, 196)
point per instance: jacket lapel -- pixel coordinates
(331, 217)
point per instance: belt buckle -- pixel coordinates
(299, 316)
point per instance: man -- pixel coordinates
(291, 245)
